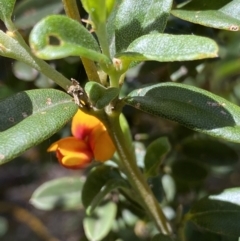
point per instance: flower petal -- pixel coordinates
(101, 144)
(72, 153)
(76, 160)
(83, 124)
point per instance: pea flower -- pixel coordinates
(90, 141)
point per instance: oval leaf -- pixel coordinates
(96, 180)
(218, 213)
(154, 155)
(188, 172)
(99, 95)
(136, 18)
(169, 47)
(62, 193)
(98, 225)
(58, 36)
(30, 117)
(6, 9)
(211, 152)
(192, 107)
(215, 14)
(28, 12)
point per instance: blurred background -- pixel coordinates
(196, 166)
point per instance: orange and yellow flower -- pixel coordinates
(90, 141)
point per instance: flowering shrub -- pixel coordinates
(126, 33)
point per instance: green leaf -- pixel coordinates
(58, 36)
(154, 155)
(209, 151)
(19, 50)
(28, 12)
(218, 213)
(30, 117)
(62, 193)
(167, 47)
(3, 226)
(137, 18)
(6, 9)
(98, 225)
(222, 14)
(99, 95)
(101, 178)
(192, 107)
(188, 171)
(162, 237)
(96, 9)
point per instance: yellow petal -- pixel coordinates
(76, 160)
(72, 153)
(83, 124)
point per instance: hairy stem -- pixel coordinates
(71, 9)
(135, 176)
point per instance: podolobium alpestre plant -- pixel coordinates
(125, 33)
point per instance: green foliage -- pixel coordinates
(49, 109)
(6, 9)
(214, 14)
(100, 181)
(154, 155)
(65, 32)
(62, 193)
(100, 96)
(169, 48)
(197, 109)
(218, 213)
(93, 227)
(177, 166)
(137, 18)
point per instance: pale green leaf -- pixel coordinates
(98, 225)
(62, 193)
(30, 117)
(6, 9)
(58, 36)
(167, 47)
(222, 14)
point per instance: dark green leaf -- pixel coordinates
(99, 95)
(6, 9)
(209, 151)
(188, 171)
(136, 18)
(30, 117)
(98, 225)
(162, 237)
(222, 14)
(28, 12)
(58, 36)
(98, 179)
(154, 155)
(62, 193)
(192, 107)
(166, 47)
(218, 213)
